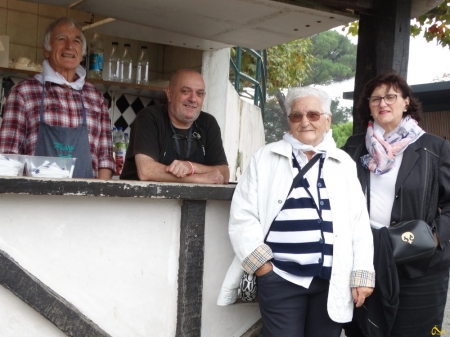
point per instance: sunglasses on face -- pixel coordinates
(311, 115)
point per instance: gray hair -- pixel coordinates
(66, 21)
(300, 92)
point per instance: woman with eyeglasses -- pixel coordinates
(307, 240)
(405, 175)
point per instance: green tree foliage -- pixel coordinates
(339, 114)
(335, 58)
(275, 123)
(433, 25)
(341, 132)
(289, 64)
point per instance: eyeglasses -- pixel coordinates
(311, 115)
(376, 100)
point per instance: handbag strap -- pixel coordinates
(304, 170)
(296, 180)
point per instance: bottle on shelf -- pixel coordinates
(114, 63)
(142, 67)
(126, 65)
(96, 57)
(121, 149)
(113, 134)
(127, 139)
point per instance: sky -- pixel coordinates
(427, 62)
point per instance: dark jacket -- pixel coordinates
(375, 318)
(422, 191)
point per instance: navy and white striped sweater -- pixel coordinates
(301, 236)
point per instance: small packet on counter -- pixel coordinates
(11, 165)
(50, 170)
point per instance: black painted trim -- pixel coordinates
(44, 300)
(114, 188)
(190, 272)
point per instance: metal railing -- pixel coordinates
(260, 77)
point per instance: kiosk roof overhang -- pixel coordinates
(216, 24)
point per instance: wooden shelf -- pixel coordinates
(6, 72)
(125, 88)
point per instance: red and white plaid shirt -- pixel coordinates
(20, 125)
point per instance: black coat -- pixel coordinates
(422, 191)
(376, 317)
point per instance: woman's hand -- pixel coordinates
(360, 294)
(436, 239)
(264, 269)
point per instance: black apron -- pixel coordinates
(173, 152)
(57, 141)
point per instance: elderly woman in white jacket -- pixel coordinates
(311, 249)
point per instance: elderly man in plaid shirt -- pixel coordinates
(57, 113)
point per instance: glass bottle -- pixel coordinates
(114, 63)
(96, 57)
(142, 67)
(126, 65)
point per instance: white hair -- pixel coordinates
(62, 20)
(300, 92)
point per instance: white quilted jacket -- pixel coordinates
(259, 197)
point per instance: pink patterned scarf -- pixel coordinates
(382, 151)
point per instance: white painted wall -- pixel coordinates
(20, 320)
(221, 321)
(115, 259)
(240, 122)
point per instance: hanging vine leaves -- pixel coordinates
(433, 25)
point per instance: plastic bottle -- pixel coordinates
(142, 67)
(121, 149)
(96, 57)
(127, 139)
(126, 65)
(114, 63)
(113, 134)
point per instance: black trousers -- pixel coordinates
(289, 310)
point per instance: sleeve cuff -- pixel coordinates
(362, 278)
(257, 258)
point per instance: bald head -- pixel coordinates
(179, 74)
(185, 94)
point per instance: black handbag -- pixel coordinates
(411, 241)
(247, 290)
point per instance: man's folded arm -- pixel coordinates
(180, 171)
